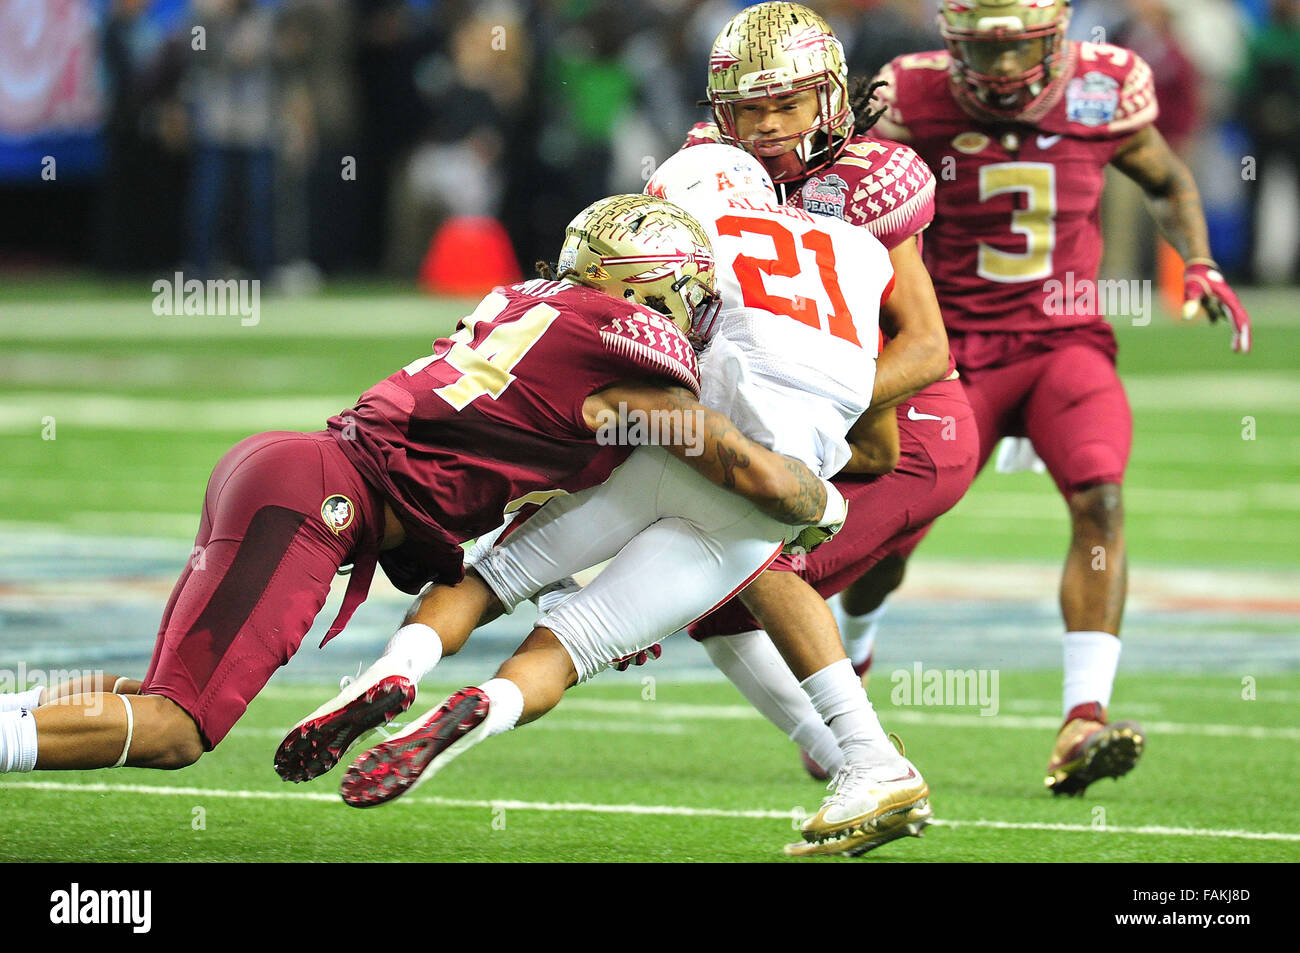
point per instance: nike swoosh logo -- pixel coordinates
(913, 415)
(1046, 142)
(906, 777)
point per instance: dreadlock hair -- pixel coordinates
(862, 92)
(545, 270)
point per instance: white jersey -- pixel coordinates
(792, 360)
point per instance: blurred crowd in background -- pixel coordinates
(295, 139)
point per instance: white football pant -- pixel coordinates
(680, 546)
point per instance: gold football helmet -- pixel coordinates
(774, 49)
(1005, 53)
(646, 249)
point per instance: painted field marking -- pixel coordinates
(931, 718)
(662, 810)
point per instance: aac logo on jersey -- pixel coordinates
(337, 512)
(1092, 99)
(825, 195)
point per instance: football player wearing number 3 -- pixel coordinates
(503, 413)
(1020, 124)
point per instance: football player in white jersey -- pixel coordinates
(680, 549)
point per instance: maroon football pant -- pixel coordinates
(266, 552)
(938, 449)
(1060, 390)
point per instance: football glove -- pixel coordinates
(833, 517)
(1203, 286)
(638, 658)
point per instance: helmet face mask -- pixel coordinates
(1006, 53)
(647, 250)
(769, 52)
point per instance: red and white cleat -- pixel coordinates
(1088, 748)
(316, 743)
(401, 763)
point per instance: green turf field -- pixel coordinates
(694, 774)
(111, 419)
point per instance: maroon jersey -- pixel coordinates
(1017, 241)
(882, 186)
(493, 419)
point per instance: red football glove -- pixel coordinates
(1203, 286)
(638, 658)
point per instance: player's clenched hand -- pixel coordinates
(638, 658)
(810, 537)
(1204, 286)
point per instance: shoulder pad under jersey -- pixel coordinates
(911, 81)
(650, 343)
(880, 185)
(702, 133)
(1111, 94)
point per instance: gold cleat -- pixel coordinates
(890, 828)
(1088, 749)
(864, 797)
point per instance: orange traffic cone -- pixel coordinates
(1169, 276)
(469, 255)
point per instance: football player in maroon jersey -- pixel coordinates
(1021, 125)
(503, 413)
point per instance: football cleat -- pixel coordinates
(867, 799)
(1088, 749)
(405, 761)
(909, 824)
(316, 743)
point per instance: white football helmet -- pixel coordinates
(702, 175)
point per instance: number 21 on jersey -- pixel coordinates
(750, 271)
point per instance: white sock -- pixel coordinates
(836, 692)
(31, 699)
(505, 705)
(17, 741)
(416, 645)
(814, 737)
(1091, 659)
(859, 631)
(754, 666)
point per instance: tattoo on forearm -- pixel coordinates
(732, 455)
(730, 460)
(1172, 193)
(808, 504)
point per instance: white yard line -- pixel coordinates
(636, 809)
(929, 718)
(25, 412)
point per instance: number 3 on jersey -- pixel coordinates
(1036, 221)
(485, 368)
(750, 271)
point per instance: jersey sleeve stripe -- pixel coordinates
(653, 359)
(893, 228)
